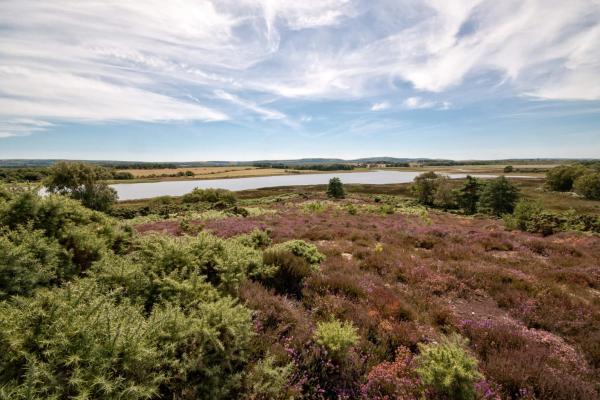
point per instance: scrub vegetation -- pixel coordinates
(466, 289)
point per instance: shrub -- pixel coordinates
(561, 178)
(224, 263)
(82, 182)
(29, 260)
(335, 189)
(425, 186)
(257, 239)
(447, 369)
(267, 381)
(444, 196)
(307, 251)
(314, 207)
(337, 337)
(393, 380)
(498, 196)
(77, 342)
(588, 186)
(213, 196)
(284, 271)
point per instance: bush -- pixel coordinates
(498, 196)
(444, 196)
(533, 217)
(224, 263)
(80, 342)
(82, 182)
(562, 178)
(425, 186)
(29, 260)
(213, 196)
(307, 251)
(77, 342)
(393, 380)
(337, 337)
(588, 186)
(335, 189)
(284, 271)
(447, 369)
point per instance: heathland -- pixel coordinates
(439, 289)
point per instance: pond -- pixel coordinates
(132, 191)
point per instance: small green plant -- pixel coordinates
(300, 248)
(337, 337)
(314, 207)
(447, 368)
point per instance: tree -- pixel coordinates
(444, 196)
(561, 178)
(336, 189)
(425, 186)
(588, 186)
(499, 196)
(468, 195)
(82, 182)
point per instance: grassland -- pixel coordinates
(171, 174)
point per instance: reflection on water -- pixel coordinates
(130, 191)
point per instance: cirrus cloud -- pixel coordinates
(201, 60)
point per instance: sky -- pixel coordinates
(194, 80)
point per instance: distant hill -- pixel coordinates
(15, 163)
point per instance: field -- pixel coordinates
(403, 275)
(536, 170)
(167, 174)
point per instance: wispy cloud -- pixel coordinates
(264, 112)
(140, 60)
(384, 105)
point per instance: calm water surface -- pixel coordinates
(132, 191)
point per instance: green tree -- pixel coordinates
(82, 182)
(561, 178)
(335, 189)
(425, 186)
(468, 195)
(588, 185)
(445, 196)
(499, 196)
(448, 369)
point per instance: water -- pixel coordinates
(132, 191)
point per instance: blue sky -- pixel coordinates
(247, 79)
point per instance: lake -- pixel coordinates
(133, 191)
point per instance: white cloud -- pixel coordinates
(142, 60)
(265, 112)
(413, 103)
(384, 105)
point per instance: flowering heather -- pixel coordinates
(528, 304)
